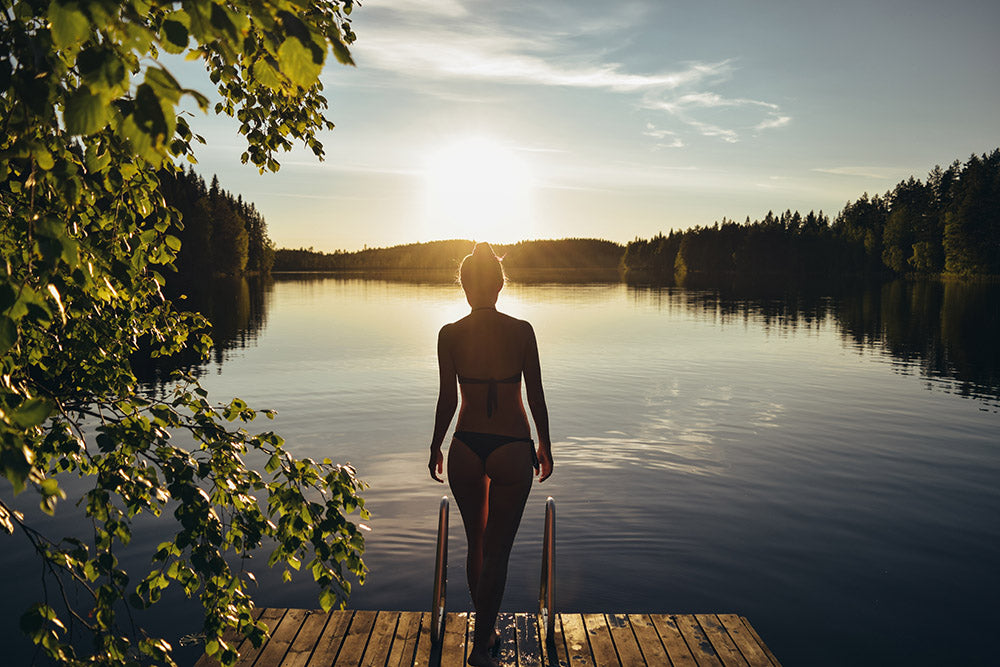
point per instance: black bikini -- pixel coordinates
(484, 444)
(491, 389)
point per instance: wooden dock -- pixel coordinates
(308, 638)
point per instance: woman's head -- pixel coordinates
(481, 274)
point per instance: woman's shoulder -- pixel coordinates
(521, 326)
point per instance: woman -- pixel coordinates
(491, 456)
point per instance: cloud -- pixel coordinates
(665, 138)
(448, 8)
(482, 55)
(733, 115)
(884, 173)
(775, 121)
(711, 101)
(436, 47)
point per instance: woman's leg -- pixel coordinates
(510, 473)
(470, 486)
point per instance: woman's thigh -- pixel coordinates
(469, 485)
(510, 471)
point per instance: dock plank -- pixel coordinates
(677, 649)
(380, 640)
(356, 639)
(507, 651)
(305, 641)
(282, 636)
(747, 644)
(249, 652)
(577, 644)
(329, 643)
(312, 638)
(453, 642)
(697, 641)
(404, 642)
(626, 644)
(555, 646)
(602, 649)
(425, 648)
(727, 651)
(760, 642)
(529, 648)
(648, 639)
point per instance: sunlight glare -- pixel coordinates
(478, 189)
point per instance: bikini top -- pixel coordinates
(491, 390)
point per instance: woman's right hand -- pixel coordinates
(544, 463)
(436, 465)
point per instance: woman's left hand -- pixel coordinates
(544, 463)
(436, 465)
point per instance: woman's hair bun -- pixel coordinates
(482, 266)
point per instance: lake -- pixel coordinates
(822, 460)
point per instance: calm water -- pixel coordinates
(825, 463)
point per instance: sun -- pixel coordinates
(479, 189)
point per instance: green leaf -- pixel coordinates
(85, 112)
(327, 599)
(8, 333)
(266, 75)
(176, 34)
(32, 412)
(69, 25)
(95, 160)
(298, 63)
(163, 83)
(341, 53)
(43, 159)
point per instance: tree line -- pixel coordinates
(219, 233)
(560, 254)
(948, 224)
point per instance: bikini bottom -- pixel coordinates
(484, 444)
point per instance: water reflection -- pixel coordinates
(237, 309)
(945, 331)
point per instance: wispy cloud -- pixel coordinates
(706, 100)
(431, 47)
(693, 109)
(664, 138)
(449, 8)
(506, 58)
(776, 121)
(885, 173)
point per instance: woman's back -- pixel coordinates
(488, 350)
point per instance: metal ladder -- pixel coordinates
(546, 589)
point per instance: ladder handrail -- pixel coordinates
(546, 592)
(440, 573)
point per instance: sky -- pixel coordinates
(502, 121)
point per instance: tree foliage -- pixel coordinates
(90, 117)
(221, 233)
(538, 254)
(948, 224)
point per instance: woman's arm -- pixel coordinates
(536, 403)
(446, 403)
